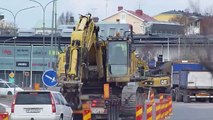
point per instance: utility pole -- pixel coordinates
(43, 10)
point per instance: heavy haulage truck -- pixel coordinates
(190, 80)
(92, 62)
(196, 85)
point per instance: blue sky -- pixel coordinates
(31, 17)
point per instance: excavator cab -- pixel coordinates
(120, 61)
(118, 58)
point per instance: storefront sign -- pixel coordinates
(22, 64)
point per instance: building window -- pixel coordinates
(123, 18)
(112, 31)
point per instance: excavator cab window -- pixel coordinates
(118, 58)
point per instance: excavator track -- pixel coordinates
(132, 96)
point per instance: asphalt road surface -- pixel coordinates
(192, 111)
(6, 100)
(181, 111)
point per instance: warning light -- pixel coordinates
(106, 91)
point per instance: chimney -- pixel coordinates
(139, 12)
(120, 8)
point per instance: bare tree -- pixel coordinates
(6, 28)
(208, 11)
(206, 24)
(147, 52)
(194, 6)
(66, 18)
(183, 20)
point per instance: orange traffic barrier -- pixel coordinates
(36, 86)
(161, 98)
(152, 97)
(139, 112)
(166, 109)
(158, 111)
(170, 104)
(87, 115)
(4, 116)
(162, 110)
(149, 111)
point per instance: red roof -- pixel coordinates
(144, 16)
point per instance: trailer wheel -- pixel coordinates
(179, 97)
(173, 95)
(186, 98)
(211, 100)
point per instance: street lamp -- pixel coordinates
(15, 15)
(44, 10)
(13, 38)
(14, 25)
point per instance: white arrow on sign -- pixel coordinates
(52, 79)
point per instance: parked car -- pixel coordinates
(8, 88)
(4, 115)
(40, 105)
(2, 80)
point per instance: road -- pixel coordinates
(6, 100)
(192, 111)
(181, 111)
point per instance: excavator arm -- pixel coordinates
(83, 52)
(82, 38)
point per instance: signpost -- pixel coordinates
(11, 80)
(11, 77)
(49, 78)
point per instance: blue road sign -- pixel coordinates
(49, 78)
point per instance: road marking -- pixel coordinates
(202, 107)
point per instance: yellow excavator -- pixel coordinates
(160, 83)
(92, 62)
(61, 66)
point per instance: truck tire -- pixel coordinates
(186, 98)
(173, 95)
(211, 100)
(179, 97)
(9, 93)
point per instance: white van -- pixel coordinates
(7, 88)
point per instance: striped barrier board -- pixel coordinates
(161, 98)
(167, 108)
(170, 105)
(4, 116)
(149, 111)
(87, 114)
(158, 111)
(139, 112)
(152, 97)
(162, 110)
